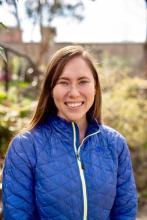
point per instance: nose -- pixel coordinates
(73, 91)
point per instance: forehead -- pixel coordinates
(76, 67)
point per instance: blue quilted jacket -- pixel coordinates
(49, 175)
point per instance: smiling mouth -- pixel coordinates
(74, 104)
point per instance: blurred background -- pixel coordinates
(115, 32)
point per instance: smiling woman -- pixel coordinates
(74, 92)
(67, 165)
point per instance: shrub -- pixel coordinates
(125, 109)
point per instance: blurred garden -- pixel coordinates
(124, 107)
(22, 68)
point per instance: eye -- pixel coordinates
(84, 81)
(65, 83)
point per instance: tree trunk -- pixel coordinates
(17, 16)
(6, 73)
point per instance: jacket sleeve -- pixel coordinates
(125, 204)
(18, 181)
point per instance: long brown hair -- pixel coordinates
(46, 106)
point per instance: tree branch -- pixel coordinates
(18, 53)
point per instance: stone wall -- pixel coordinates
(134, 52)
(10, 35)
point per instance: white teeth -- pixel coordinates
(73, 105)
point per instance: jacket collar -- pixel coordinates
(64, 127)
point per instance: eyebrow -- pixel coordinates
(80, 78)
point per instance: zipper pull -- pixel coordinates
(82, 165)
(78, 156)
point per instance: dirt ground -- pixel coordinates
(142, 215)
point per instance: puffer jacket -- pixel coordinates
(49, 175)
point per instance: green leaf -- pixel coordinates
(2, 54)
(2, 25)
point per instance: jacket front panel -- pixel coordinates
(46, 162)
(101, 178)
(58, 186)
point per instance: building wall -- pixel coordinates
(12, 35)
(134, 52)
(40, 52)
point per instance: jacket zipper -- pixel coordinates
(81, 169)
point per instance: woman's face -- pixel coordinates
(74, 91)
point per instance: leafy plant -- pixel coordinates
(2, 51)
(125, 109)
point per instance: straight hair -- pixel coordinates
(46, 106)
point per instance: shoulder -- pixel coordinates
(113, 138)
(30, 141)
(20, 148)
(111, 132)
(19, 141)
(31, 138)
(25, 145)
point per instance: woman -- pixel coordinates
(68, 165)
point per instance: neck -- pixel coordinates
(82, 125)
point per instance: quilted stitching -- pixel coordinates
(41, 178)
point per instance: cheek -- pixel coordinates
(56, 98)
(90, 91)
(55, 94)
(58, 94)
(91, 94)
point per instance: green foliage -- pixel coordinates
(3, 96)
(2, 25)
(14, 113)
(2, 54)
(52, 9)
(125, 109)
(2, 51)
